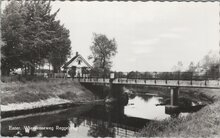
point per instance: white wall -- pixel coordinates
(75, 63)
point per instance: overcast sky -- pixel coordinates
(151, 36)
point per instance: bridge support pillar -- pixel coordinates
(173, 108)
(174, 94)
(111, 96)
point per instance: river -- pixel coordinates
(89, 120)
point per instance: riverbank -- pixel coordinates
(38, 94)
(204, 123)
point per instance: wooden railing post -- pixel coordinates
(136, 77)
(178, 81)
(103, 78)
(145, 77)
(127, 77)
(166, 77)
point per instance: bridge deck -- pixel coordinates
(214, 84)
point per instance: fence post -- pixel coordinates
(103, 77)
(136, 77)
(166, 77)
(178, 78)
(206, 78)
(145, 77)
(119, 76)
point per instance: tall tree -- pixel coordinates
(210, 63)
(61, 48)
(103, 49)
(178, 67)
(42, 36)
(211, 59)
(12, 36)
(191, 67)
(38, 32)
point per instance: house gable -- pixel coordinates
(77, 61)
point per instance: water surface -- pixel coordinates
(89, 120)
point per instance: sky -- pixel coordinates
(151, 36)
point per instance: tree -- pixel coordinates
(209, 60)
(12, 36)
(36, 34)
(45, 37)
(210, 63)
(178, 67)
(101, 130)
(103, 49)
(35, 42)
(191, 67)
(134, 75)
(61, 47)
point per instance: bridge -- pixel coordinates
(168, 79)
(173, 80)
(213, 84)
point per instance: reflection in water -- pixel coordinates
(49, 124)
(101, 130)
(81, 121)
(90, 120)
(61, 128)
(144, 106)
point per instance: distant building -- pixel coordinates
(78, 65)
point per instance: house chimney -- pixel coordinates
(77, 53)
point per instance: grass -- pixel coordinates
(204, 123)
(31, 91)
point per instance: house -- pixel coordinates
(77, 66)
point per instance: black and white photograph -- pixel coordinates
(84, 69)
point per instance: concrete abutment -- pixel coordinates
(174, 94)
(173, 109)
(110, 92)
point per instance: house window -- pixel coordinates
(79, 62)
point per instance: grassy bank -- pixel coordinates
(43, 92)
(204, 123)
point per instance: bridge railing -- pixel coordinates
(167, 75)
(158, 76)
